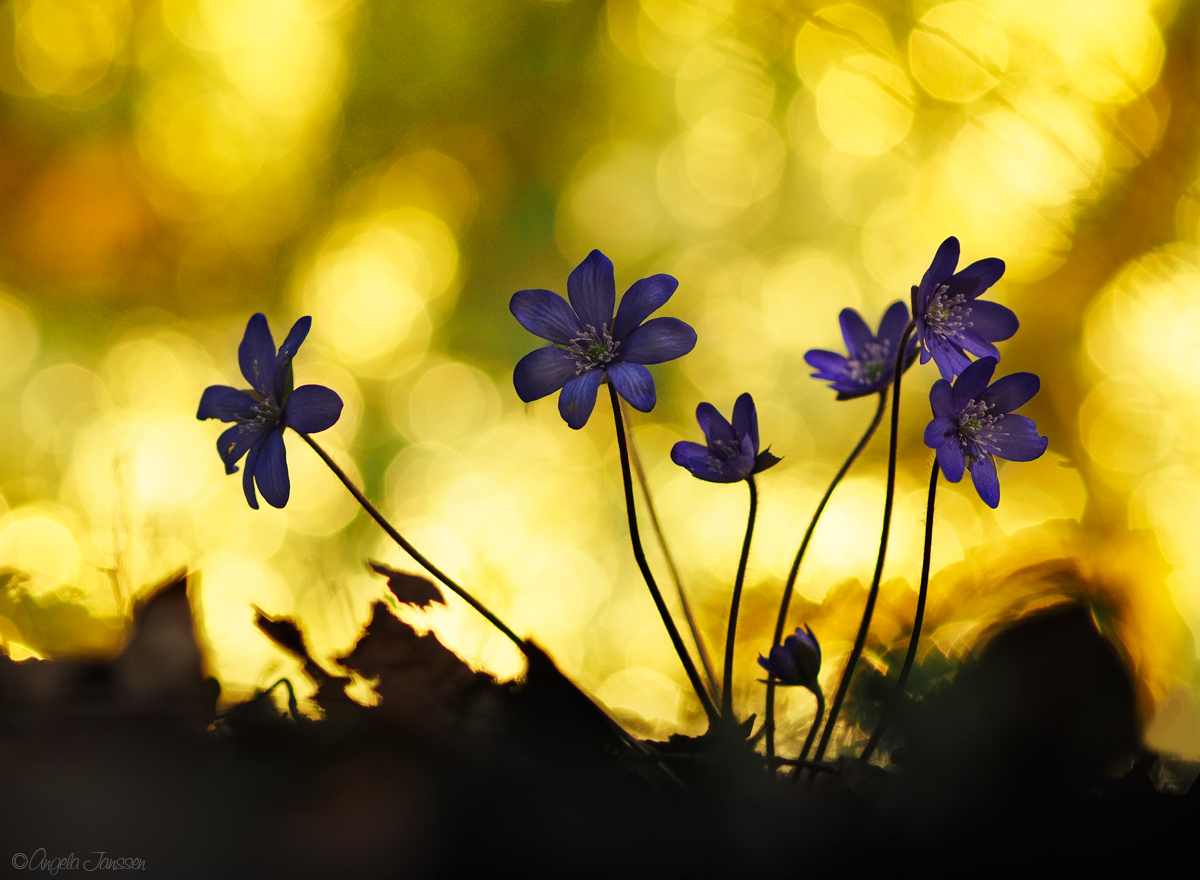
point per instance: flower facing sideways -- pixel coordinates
(589, 346)
(263, 410)
(871, 365)
(951, 319)
(731, 451)
(797, 661)
(973, 424)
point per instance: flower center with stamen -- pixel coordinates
(872, 363)
(978, 428)
(268, 409)
(592, 349)
(725, 448)
(947, 315)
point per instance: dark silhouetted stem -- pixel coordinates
(410, 549)
(861, 639)
(727, 682)
(786, 600)
(701, 648)
(640, 555)
(812, 733)
(920, 616)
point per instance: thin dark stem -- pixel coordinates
(812, 732)
(640, 555)
(701, 648)
(410, 549)
(727, 683)
(860, 640)
(786, 600)
(920, 616)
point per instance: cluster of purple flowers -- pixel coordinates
(592, 342)
(973, 422)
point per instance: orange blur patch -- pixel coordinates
(84, 222)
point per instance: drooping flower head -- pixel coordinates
(951, 319)
(731, 451)
(263, 410)
(974, 424)
(871, 365)
(797, 661)
(589, 345)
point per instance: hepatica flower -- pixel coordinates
(974, 424)
(730, 452)
(263, 410)
(589, 346)
(871, 365)
(951, 319)
(797, 661)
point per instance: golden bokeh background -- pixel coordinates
(397, 171)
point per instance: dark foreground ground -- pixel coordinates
(1029, 758)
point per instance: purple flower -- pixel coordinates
(262, 411)
(797, 661)
(731, 453)
(950, 318)
(973, 423)
(872, 362)
(590, 345)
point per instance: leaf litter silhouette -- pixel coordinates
(1023, 753)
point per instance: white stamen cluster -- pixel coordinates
(872, 362)
(592, 348)
(725, 448)
(979, 427)
(947, 315)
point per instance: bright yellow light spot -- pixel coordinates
(319, 503)
(40, 546)
(18, 338)
(957, 52)
(1169, 502)
(149, 375)
(1112, 50)
(1044, 152)
(225, 523)
(208, 139)
(238, 654)
(59, 401)
(865, 105)
(712, 172)
(802, 295)
(1125, 426)
(67, 47)
(643, 698)
(1036, 491)
(369, 290)
(687, 19)
(611, 204)
(727, 78)
(286, 62)
(1149, 316)
(836, 33)
(447, 403)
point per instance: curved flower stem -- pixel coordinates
(640, 555)
(920, 616)
(411, 550)
(727, 683)
(785, 601)
(861, 639)
(701, 648)
(812, 733)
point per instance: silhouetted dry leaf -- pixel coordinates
(411, 589)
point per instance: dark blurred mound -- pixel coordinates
(1027, 754)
